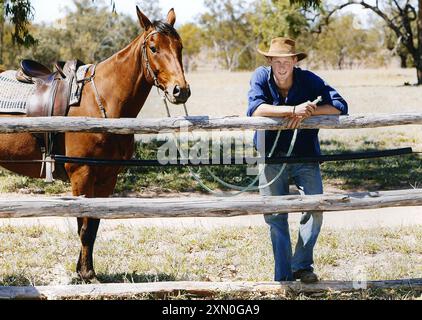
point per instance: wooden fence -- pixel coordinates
(128, 208)
(221, 207)
(150, 126)
(198, 289)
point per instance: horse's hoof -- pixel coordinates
(88, 277)
(94, 281)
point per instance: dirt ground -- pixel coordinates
(367, 91)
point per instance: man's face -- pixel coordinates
(283, 67)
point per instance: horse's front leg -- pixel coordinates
(87, 230)
(83, 184)
(96, 184)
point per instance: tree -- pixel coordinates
(20, 13)
(278, 18)
(339, 49)
(192, 37)
(402, 17)
(227, 30)
(395, 47)
(307, 3)
(90, 34)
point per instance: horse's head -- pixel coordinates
(162, 57)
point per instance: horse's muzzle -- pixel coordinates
(178, 95)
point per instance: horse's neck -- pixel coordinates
(123, 81)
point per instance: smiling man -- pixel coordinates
(285, 90)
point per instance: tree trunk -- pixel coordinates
(2, 21)
(418, 60)
(419, 74)
(186, 63)
(403, 60)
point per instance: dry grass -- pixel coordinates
(43, 256)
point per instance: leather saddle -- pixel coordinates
(53, 89)
(51, 98)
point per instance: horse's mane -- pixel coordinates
(165, 28)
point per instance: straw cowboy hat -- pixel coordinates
(283, 47)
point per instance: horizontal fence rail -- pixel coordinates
(127, 208)
(202, 289)
(232, 161)
(152, 126)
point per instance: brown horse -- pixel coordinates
(124, 82)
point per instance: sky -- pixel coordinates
(186, 10)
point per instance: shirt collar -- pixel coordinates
(273, 87)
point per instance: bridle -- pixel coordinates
(147, 63)
(160, 88)
(149, 70)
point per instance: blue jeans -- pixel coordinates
(308, 179)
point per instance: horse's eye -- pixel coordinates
(153, 49)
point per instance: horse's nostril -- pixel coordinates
(176, 91)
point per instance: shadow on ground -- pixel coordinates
(129, 278)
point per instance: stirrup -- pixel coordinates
(49, 168)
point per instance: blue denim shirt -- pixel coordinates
(307, 86)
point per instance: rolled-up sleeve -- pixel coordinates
(257, 95)
(330, 95)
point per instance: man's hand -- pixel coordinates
(302, 112)
(306, 109)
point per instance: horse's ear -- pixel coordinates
(143, 19)
(171, 17)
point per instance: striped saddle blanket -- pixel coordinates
(15, 96)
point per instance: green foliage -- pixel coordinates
(20, 13)
(277, 18)
(234, 29)
(192, 43)
(12, 183)
(306, 3)
(403, 19)
(228, 30)
(94, 34)
(336, 48)
(91, 33)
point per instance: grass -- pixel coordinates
(392, 173)
(12, 183)
(44, 256)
